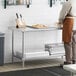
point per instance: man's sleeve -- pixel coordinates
(64, 11)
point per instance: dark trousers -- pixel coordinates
(70, 48)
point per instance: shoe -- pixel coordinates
(66, 63)
(73, 61)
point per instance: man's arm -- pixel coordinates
(64, 11)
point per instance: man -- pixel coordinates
(68, 19)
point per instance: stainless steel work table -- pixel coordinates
(71, 68)
(27, 29)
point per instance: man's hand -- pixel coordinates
(59, 25)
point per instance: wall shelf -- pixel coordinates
(17, 2)
(53, 2)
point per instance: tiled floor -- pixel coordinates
(31, 65)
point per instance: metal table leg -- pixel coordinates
(12, 46)
(23, 61)
(72, 74)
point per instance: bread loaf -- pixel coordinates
(39, 26)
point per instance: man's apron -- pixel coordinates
(67, 29)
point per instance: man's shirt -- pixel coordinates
(68, 8)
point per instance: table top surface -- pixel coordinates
(27, 29)
(70, 67)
